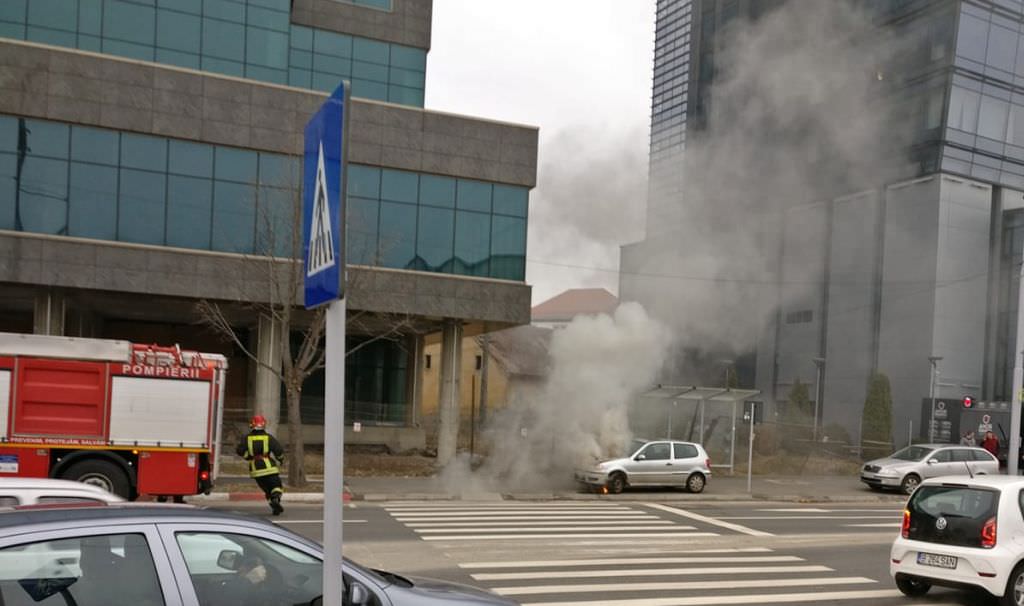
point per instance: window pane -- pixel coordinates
(235, 165)
(54, 14)
(94, 145)
(13, 11)
(363, 181)
(49, 139)
(361, 230)
(223, 40)
(129, 22)
(370, 71)
(92, 209)
(274, 223)
(472, 243)
(141, 211)
(963, 109)
(267, 48)
(189, 212)
(1002, 48)
(178, 31)
(397, 243)
(8, 133)
(194, 159)
(408, 58)
(141, 151)
(234, 217)
(508, 248)
(993, 118)
(253, 558)
(330, 43)
(301, 37)
(278, 170)
(474, 195)
(435, 238)
(372, 51)
(8, 170)
(228, 10)
(42, 199)
(972, 39)
(85, 573)
(437, 191)
(399, 186)
(512, 200)
(405, 96)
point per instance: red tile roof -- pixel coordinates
(574, 302)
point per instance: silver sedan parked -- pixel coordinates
(654, 463)
(178, 555)
(906, 468)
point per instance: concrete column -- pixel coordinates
(266, 386)
(48, 312)
(448, 400)
(414, 345)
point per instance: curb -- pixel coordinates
(289, 497)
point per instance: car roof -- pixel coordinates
(13, 521)
(49, 484)
(946, 446)
(982, 481)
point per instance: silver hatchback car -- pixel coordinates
(179, 555)
(906, 468)
(651, 463)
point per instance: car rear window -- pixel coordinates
(981, 455)
(951, 515)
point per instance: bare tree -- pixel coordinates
(279, 255)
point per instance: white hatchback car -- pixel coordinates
(963, 533)
(42, 491)
(651, 463)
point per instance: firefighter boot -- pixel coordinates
(275, 504)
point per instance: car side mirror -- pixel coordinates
(933, 461)
(640, 457)
(358, 595)
(229, 559)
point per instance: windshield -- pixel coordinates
(911, 453)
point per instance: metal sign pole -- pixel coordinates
(750, 446)
(1018, 381)
(334, 451)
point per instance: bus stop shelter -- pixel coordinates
(706, 415)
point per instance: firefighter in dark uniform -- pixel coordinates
(265, 455)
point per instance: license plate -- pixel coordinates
(939, 561)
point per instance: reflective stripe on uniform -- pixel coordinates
(260, 463)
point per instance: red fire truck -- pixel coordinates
(133, 419)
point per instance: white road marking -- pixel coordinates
(315, 521)
(618, 561)
(798, 510)
(886, 525)
(657, 572)
(707, 520)
(720, 600)
(596, 523)
(681, 585)
(612, 535)
(503, 505)
(885, 517)
(639, 561)
(546, 529)
(534, 517)
(511, 512)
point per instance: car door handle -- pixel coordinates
(668, 465)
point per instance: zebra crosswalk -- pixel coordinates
(547, 521)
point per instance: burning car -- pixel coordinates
(652, 463)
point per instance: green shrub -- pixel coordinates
(876, 434)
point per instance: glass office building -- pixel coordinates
(922, 263)
(147, 145)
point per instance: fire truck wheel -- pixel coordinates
(104, 474)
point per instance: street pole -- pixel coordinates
(670, 410)
(1018, 381)
(931, 394)
(334, 448)
(750, 445)
(819, 364)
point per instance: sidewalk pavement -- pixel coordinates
(721, 488)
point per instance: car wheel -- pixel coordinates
(910, 483)
(617, 483)
(1014, 594)
(98, 472)
(913, 588)
(696, 482)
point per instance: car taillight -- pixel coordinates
(707, 463)
(204, 475)
(988, 534)
(906, 524)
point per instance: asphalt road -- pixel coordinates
(634, 553)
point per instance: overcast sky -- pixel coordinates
(581, 71)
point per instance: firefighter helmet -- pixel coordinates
(258, 422)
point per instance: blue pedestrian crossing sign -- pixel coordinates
(323, 201)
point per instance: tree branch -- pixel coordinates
(213, 316)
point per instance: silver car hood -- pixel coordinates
(433, 591)
(889, 461)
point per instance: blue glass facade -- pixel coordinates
(89, 182)
(246, 38)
